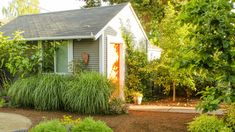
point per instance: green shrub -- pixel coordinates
(21, 92)
(49, 126)
(89, 94)
(2, 102)
(205, 123)
(89, 125)
(117, 106)
(230, 117)
(48, 94)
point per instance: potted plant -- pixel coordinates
(137, 97)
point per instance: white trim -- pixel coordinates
(136, 18)
(118, 40)
(139, 23)
(61, 38)
(41, 55)
(70, 55)
(102, 30)
(101, 54)
(55, 60)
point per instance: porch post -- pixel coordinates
(101, 54)
(70, 56)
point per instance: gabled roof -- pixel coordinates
(72, 24)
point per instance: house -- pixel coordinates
(154, 52)
(93, 35)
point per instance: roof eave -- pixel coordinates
(60, 38)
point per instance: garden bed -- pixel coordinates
(134, 121)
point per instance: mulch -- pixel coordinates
(134, 121)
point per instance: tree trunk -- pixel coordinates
(173, 91)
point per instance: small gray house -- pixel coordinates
(94, 34)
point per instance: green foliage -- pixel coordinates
(117, 106)
(21, 7)
(77, 66)
(136, 61)
(2, 102)
(18, 57)
(88, 94)
(230, 117)
(43, 92)
(48, 93)
(170, 71)
(205, 123)
(213, 33)
(49, 126)
(48, 49)
(89, 125)
(21, 92)
(69, 123)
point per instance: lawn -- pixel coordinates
(134, 121)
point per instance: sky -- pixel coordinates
(50, 5)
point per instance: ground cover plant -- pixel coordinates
(49, 126)
(67, 124)
(207, 123)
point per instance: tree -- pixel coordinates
(170, 71)
(21, 7)
(214, 35)
(92, 3)
(17, 57)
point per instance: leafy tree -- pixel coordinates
(21, 7)
(17, 57)
(171, 38)
(92, 3)
(214, 36)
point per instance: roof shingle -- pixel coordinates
(81, 22)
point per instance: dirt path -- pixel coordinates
(135, 121)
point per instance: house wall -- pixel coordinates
(127, 19)
(108, 31)
(89, 46)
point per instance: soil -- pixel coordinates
(135, 121)
(180, 102)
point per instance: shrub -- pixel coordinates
(90, 94)
(89, 125)
(69, 123)
(230, 117)
(2, 102)
(117, 106)
(48, 94)
(49, 126)
(205, 123)
(21, 92)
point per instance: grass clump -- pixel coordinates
(21, 92)
(48, 94)
(49, 126)
(90, 125)
(89, 94)
(206, 123)
(43, 92)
